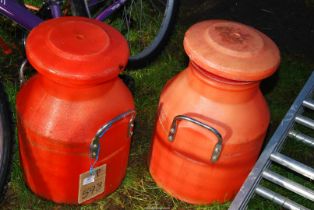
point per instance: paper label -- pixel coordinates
(91, 185)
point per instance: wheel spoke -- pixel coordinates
(145, 24)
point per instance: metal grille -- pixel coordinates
(271, 154)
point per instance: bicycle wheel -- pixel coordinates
(145, 24)
(6, 143)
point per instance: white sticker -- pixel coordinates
(89, 180)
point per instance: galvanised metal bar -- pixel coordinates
(302, 120)
(302, 137)
(293, 165)
(288, 184)
(278, 199)
(308, 103)
(248, 188)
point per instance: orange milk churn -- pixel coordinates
(212, 117)
(75, 117)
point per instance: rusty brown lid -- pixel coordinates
(232, 50)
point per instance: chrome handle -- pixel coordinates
(21, 72)
(174, 128)
(94, 146)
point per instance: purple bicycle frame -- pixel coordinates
(26, 19)
(19, 14)
(109, 10)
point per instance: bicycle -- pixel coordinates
(6, 142)
(16, 11)
(143, 47)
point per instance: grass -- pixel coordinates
(138, 190)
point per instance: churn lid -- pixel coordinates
(231, 50)
(77, 50)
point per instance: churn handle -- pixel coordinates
(21, 72)
(173, 131)
(94, 146)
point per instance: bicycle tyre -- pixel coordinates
(150, 51)
(6, 143)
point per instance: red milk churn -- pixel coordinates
(75, 117)
(212, 117)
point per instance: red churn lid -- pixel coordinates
(77, 50)
(232, 50)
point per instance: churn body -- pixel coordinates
(60, 110)
(212, 117)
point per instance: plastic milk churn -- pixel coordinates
(212, 117)
(75, 116)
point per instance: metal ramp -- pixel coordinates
(271, 153)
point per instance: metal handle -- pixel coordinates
(94, 146)
(21, 72)
(173, 131)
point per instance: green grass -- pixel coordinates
(138, 190)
